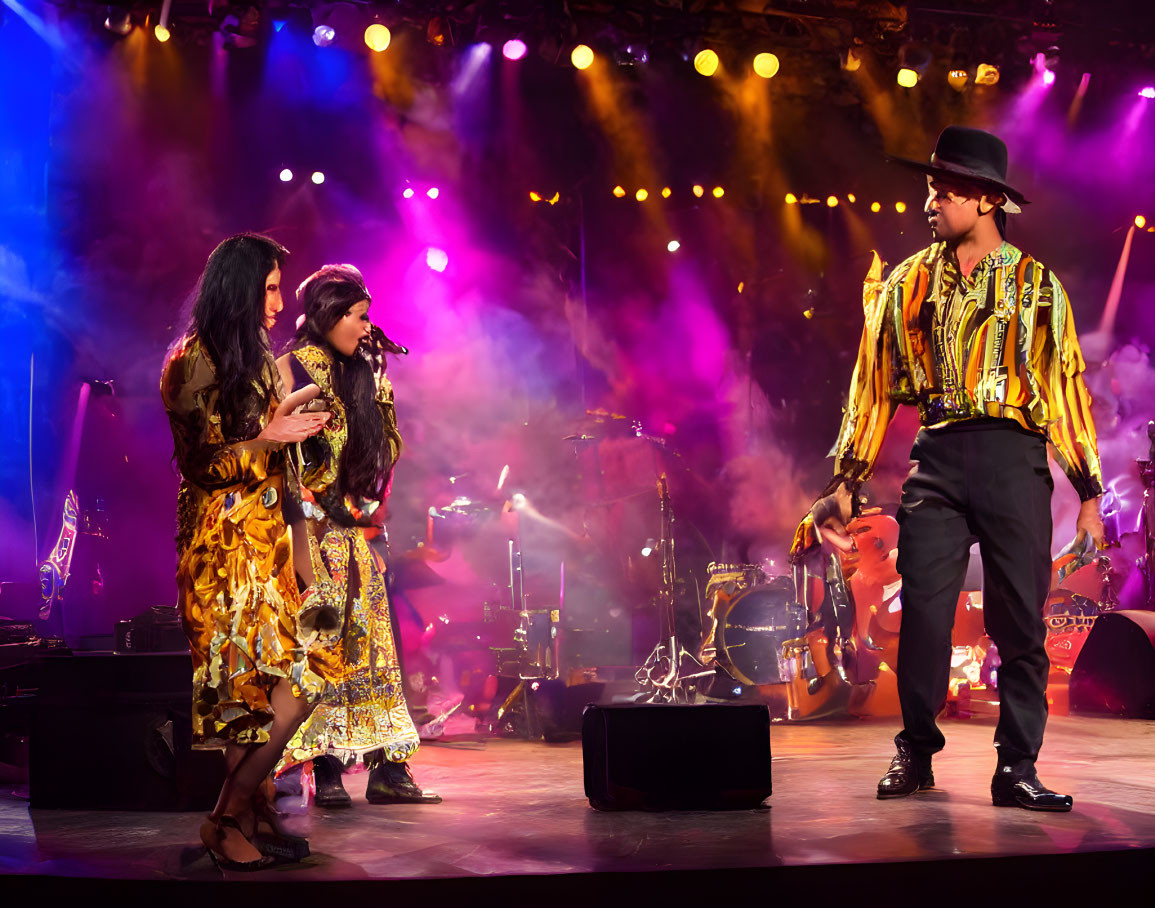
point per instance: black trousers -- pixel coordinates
(987, 479)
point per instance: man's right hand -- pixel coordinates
(831, 515)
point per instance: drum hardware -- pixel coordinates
(842, 611)
(727, 581)
(838, 665)
(1110, 599)
(664, 676)
(536, 646)
(755, 629)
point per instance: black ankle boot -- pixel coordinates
(327, 776)
(392, 783)
(909, 772)
(1011, 788)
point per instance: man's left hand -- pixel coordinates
(1089, 524)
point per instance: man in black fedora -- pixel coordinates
(980, 337)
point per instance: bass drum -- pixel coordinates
(753, 628)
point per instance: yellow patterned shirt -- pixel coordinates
(1000, 342)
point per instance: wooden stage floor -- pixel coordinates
(515, 810)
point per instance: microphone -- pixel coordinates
(391, 346)
(386, 344)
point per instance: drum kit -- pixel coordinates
(611, 554)
(821, 640)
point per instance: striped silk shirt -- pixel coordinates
(1000, 343)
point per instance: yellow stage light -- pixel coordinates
(766, 65)
(555, 198)
(851, 198)
(666, 192)
(850, 61)
(907, 77)
(582, 56)
(987, 74)
(534, 197)
(809, 313)
(957, 78)
(900, 207)
(706, 62)
(620, 192)
(641, 195)
(875, 207)
(162, 33)
(741, 286)
(791, 199)
(698, 190)
(1140, 221)
(377, 37)
(719, 192)
(832, 201)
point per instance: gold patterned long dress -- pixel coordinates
(238, 591)
(365, 710)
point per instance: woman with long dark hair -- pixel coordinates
(256, 666)
(347, 468)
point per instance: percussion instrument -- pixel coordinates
(752, 629)
(726, 582)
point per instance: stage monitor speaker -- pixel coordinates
(659, 757)
(1115, 672)
(113, 732)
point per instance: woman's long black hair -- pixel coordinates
(366, 462)
(228, 317)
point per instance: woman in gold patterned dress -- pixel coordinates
(254, 677)
(344, 482)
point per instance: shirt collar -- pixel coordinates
(1003, 254)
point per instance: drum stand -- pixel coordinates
(538, 666)
(665, 675)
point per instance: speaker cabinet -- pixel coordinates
(1115, 672)
(113, 732)
(659, 757)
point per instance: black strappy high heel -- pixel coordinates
(222, 863)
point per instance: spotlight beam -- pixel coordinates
(50, 35)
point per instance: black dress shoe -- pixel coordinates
(1011, 789)
(327, 776)
(392, 783)
(909, 772)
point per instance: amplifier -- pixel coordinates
(659, 757)
(156, 631)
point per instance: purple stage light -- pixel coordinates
(408, 193)
(286, 175)
(1147, 92)
(433, 192)
(1048, 77)
(513, 49)
(437, 259)
(323, 35)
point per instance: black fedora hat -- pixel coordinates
(975, 156)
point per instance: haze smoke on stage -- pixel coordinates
(554, 305)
